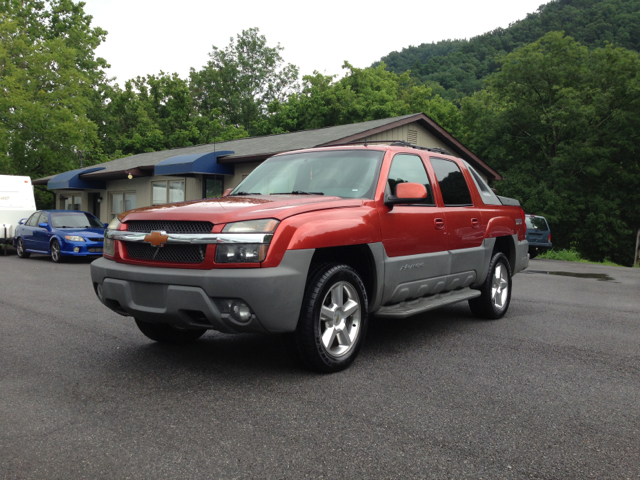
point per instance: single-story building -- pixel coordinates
(205, 171)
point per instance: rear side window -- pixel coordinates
(409, 168)
(453, 186)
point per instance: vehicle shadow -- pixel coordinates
(253, 355)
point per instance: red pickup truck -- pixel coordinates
(311, 244)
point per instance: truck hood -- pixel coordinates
(235, 209)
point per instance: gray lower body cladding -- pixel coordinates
(185, 297)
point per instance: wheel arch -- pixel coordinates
(506, 245)
(363, 259)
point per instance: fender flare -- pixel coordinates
(501, 227)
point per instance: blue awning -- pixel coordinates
(205, 163)
(72, 180)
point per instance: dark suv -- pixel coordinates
(538, 235)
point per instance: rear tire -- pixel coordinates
(333, 321)
(22, 253)
(163, 333)
(495, 296)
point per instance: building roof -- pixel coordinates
(260, 148)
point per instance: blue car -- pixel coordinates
(60, 233)
(538, 235)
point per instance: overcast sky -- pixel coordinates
(146, 36)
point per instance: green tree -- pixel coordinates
(361, 95)
(48, 82)
(157, 112)
(238, 83)
(561, 122)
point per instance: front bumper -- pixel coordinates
(185, 298)
(85, 249)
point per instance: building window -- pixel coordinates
(122, 202)
(171, 191)
(213, 186)
(72, 202)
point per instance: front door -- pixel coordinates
(413, 236)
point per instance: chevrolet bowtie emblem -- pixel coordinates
(157, 239)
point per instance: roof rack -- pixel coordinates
(394, 143)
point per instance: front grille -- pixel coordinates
(94, 250)
(96, 239)
(147, 226)
(168, 253)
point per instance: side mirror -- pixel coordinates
(43, 225)
(407, 193)
(227, 192)
(106, 224)
(22, 222)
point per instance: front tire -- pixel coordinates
(495, 296)
(22, 253)
(334, 319)
(163, 333)
(56, 256)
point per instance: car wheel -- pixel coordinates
(163, 333)
(22, 253)
(56, 256)
(495, 296)
(333, 321)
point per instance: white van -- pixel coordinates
(16, 202)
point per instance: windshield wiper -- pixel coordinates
(298, 192)
(245, 193)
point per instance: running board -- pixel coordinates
(423, 304)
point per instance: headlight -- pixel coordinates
(114, 224)
(252, 226)
(74, 238)
(239, 252)
(109, 245)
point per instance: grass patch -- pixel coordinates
(571, 255)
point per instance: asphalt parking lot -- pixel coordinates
(550, 391)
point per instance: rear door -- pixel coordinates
(465, 231)
(27, 231)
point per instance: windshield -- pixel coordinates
(75, 220)
(536, 223)
(340, 173)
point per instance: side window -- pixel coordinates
(409, 168)
(33, 219)
(44, 218)
(454, 188)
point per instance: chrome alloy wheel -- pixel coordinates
(55, 251)
(500, 287)
(20, 247)
(340, 319)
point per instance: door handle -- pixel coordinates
(475, 223)
(439, 223)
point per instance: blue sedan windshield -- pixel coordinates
(75, 220)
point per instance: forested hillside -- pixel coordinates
(460, 66)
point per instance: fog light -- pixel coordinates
(240, 311)
(76, 249)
